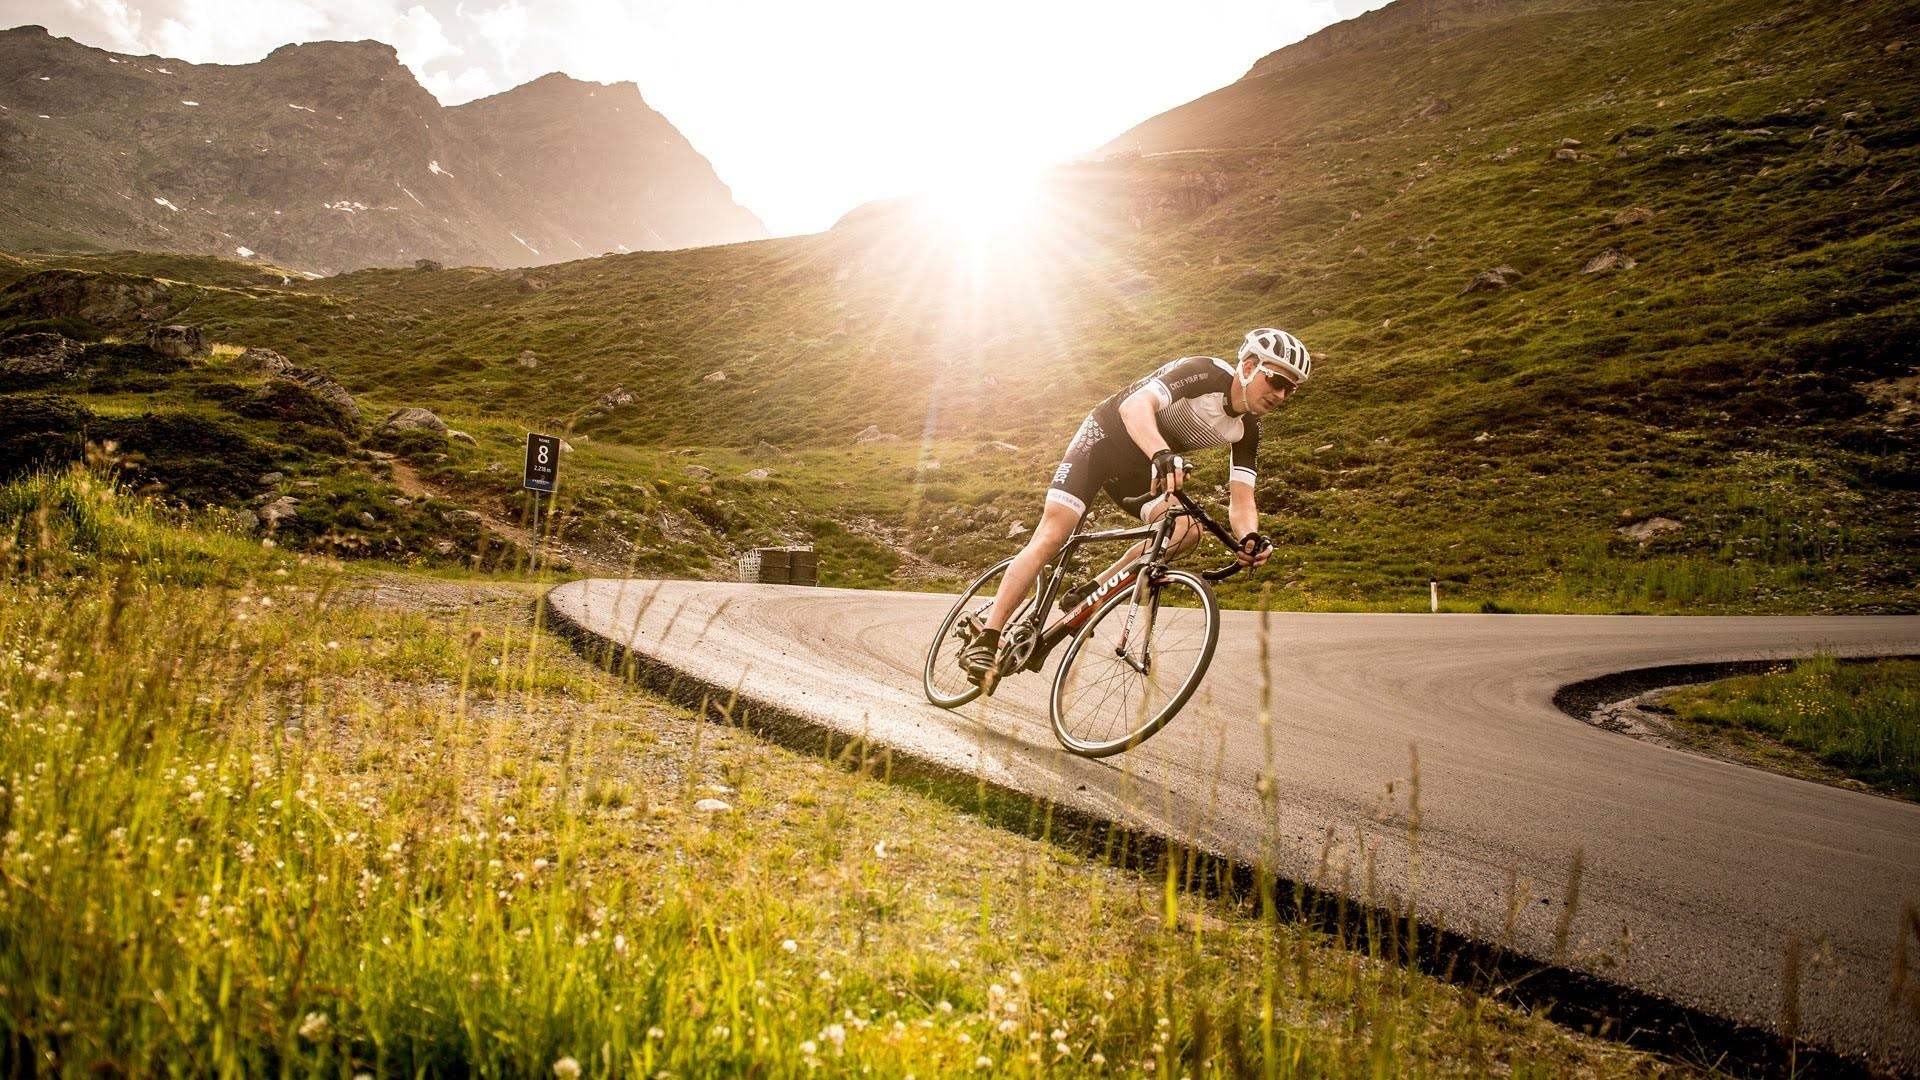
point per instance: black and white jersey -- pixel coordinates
(1194, 411)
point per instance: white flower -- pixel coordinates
(983, 1062)
(314, 1027)
(809, 1048)
(1008, 1027)
(566, 1068)
(789, 946)
(1098, 1058)
(835, 1034)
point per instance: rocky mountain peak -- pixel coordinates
(329, 156)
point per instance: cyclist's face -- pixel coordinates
(1266, 392)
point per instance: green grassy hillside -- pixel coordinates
(1706, 333)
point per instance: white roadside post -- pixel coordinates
(1433, 595)
(542, 476)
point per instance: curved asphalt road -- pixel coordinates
(1696, 874)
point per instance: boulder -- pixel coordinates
(698, 472)
(1644, 531)
(1565, 154)
(528, 359)
(296, 394)
(461, 436)
(1633, 215)
(764, 450)
(1016, 530)
(996, 447)
(99, 298)
(411, 419)
(177, 340)
(1489, 280)
(427, 264)
(285, 508)
(257, 361)
(615, 398)
(1610, 259)
(873, 434)
(32, 360)
(714, 377)
(759, 474)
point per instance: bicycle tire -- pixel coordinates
(1102, 703)
(945, 683)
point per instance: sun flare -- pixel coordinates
(983, 206)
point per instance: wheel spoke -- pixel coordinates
(1107, 698)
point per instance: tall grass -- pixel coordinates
(248, 828)
(1862, 719)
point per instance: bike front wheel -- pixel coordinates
(946, 682)
(1134, 664)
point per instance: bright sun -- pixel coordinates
(983, 206)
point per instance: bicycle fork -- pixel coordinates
(1142, 596)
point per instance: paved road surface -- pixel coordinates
(1712, 869)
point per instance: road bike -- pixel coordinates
(1138, 643)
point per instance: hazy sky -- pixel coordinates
(806, 109)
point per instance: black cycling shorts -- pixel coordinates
(1097, 460)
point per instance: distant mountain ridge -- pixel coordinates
(330, 156)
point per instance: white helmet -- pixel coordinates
(1278, 352)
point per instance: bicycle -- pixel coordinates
(1140, 641)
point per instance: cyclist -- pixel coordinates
(1133, 445)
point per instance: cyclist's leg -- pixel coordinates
(1057, 522)
(1132, 486)
(1073, 483)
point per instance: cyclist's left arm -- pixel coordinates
(1243, 515)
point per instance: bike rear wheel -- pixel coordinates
(1123, 678)
(946, 683)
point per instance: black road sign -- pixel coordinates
(543, 463)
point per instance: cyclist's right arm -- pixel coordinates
(1139, 412)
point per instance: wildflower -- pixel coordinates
(809, 1048)
(566, 1068)
(314, 1027)
(789, 946)
(836, 1035)
(1061, 1049)
(983, 1062)
(1008, 1027)
(620, 944)
(656, 1033)
(539, 865)
(1098, 1058)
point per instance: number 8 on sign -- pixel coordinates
(543, 464)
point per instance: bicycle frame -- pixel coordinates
(1130, 576)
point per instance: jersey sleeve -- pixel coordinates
(1188, 377)
(1246, 454)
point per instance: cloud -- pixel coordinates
(469, 83)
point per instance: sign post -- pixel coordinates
(542, 476)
